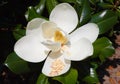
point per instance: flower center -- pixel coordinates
(60, 37)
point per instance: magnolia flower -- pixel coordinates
(53, 41)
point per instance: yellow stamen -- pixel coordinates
(59, 37)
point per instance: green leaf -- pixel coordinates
(42, 79)
(84, 12)
(68, 78)
(103, 49)
(105, 5)
(16, 64)
(105, 20)
(31, 13)
(100, 44)
(50, 4)
(106, 52)
(92, 78)
(18, 32)
(94, 2)
(68, 1)
(40, 7)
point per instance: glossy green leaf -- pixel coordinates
(100, 44)
(105, 5)
(106, 52)
(16, 64)
(40, 7)
(68, 78)
(105, 20)
(84, 12)
(50, 4)
(94, 1)
(31, 13)
(42, 79)
(68, 1)
(92, 78)
(18, 32)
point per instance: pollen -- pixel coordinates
(60, 37)
(57, 67)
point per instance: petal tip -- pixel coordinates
(65, 16)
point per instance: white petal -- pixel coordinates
(54, 46)
(55, 65)
(79, 50)
(30, 49)
(48, 29)
(34, 26)
(65, 17)
(89, 31)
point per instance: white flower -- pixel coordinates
(51, 40)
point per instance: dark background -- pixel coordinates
(11, 13)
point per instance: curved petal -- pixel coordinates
(34, 27)
(79, 50)
(89, 31)
(55, 65)
(30, 49)
(65, 17)
(54, 46)
(48, 29)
